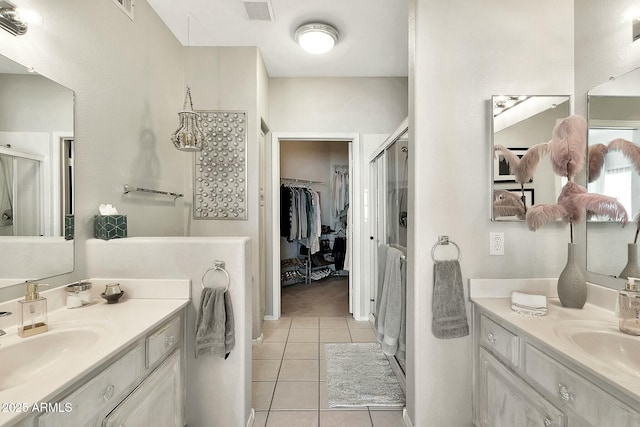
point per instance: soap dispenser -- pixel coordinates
(33, 312)
(630, 307)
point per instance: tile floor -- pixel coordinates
(289, 375)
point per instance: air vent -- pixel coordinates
(259, 10)
(126, 6)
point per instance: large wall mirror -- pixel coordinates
(520, 122)
(36, 176)
(614, 138)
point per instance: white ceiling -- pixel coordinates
(373, 34)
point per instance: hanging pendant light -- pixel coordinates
(188, 137)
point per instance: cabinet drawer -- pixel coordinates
(163, 341)
(499, 341)
(106, 388)
(507, 401)
(592, 404)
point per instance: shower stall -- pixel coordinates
(388, 200)
(20, 193)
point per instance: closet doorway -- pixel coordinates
(329, 156)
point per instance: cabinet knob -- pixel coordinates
(491, 338)
(169, 341)
(548, 422)
(107, 394)
(564, 392)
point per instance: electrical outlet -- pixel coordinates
(496, 243)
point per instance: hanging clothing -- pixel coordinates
(300, 216)
(340, 189)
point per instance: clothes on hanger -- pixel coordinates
(300, 217)
(340, 188)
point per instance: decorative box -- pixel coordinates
(107, 227)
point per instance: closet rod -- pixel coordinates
(307, 181)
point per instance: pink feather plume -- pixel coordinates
(539, 215)
(568, 146)
(597, 152)
(524, 167)
(630, 150)
(506, 203)
(603, 206)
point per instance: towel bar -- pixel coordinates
(444, 240)
(218, 265)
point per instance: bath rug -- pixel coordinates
(359, 374)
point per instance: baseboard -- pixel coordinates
(405, 418)
(252, 418)
(259, 339)
(269, 317)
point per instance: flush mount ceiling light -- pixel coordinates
(316, 38)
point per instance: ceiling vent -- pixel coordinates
(259, 10)
(126, 6)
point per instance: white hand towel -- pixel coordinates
(529, 304)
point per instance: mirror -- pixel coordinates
(613, 111)
(36, 175)
(520, 122)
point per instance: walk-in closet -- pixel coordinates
(314, 221)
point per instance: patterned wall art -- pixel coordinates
(220, 173)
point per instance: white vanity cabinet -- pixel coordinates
(143, 386)
(519, 381)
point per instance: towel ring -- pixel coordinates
(444, 240)
(219, 265)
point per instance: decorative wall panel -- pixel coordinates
(220, 172)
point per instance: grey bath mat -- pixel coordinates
(360, 375)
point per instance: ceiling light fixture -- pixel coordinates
(316, 38)
(10, 19)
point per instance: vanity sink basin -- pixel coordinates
(604, 343)
(28, 359)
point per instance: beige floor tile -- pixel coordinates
(301, 350)
(261, 419)
(357, 324)
(303, 335)
(268, 350)
(265, 370)
(333, 322)
(335, 335)
(304, 322)
(345, 418)
(362, 335)
(282, 323)
(275, 335)
(261, 394)
(293, 419)
(295, 395)
(323, 370)
(387, 418)
(299, 370)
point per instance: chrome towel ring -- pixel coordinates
(444, 240)
(218, 266)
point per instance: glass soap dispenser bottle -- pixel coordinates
(33, 312)
(629, 300)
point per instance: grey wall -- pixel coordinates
(462, 53)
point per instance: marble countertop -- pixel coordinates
(548, 329)
(118, 326)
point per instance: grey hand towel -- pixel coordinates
(389, 316)
(214, 323)
(448, 306)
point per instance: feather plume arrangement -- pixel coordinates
(524, 167)
(630, 150)
(572, 203)
(506, 203)
(597, 153)
(568, 146)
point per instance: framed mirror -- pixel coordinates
(36, 176)
(518, 123)
(613, 111)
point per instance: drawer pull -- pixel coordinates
(169, 341)
(107, 394)
(491, 338)
(548, 422)
(564, 392)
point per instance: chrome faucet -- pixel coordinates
(4, 314)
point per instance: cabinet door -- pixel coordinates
(156, 402)
(507, 401)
